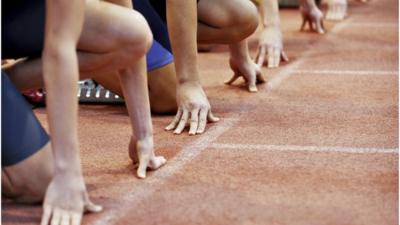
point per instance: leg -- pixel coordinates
(162, 88)
(101, 49)
(27, 181)
(226, 22)
(26, 154)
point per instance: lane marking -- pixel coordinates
(263, 147)
(372, 24)
(287, 71)
(148, 186)
(347, 72)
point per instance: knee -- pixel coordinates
(135, 38)
(244, 14)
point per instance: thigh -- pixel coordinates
(27, 180)
(22, 135)
(222, 13)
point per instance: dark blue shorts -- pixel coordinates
(21, 133)
(160, 52)
(23, 31)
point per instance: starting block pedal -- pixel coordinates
(92, 93)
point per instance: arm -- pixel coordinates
(192, 101)
(66, 196)
(270, 42)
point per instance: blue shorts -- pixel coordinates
(160, 52)
(26, 18)
(21, 133)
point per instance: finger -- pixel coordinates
(303, 24)
(233, 79)
(260, 78)
(284, 56)
(310, 24)
(277, 57)
(182, 122)
(156, 162)
(142, 168)
(46, 214)
(202, 121)
(89, 206)
(56, 218)
(65, 218)
(76, 218)
(194, 121)
(211, 117)
(320, 30)
(270, 57)
(261, 57)
(174, 122)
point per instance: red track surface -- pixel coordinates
(317, 145)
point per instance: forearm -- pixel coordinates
(182, 27)
(60, 71)
(134, 86)
(61, 77)
(270, 13)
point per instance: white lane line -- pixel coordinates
(287, 71)
(240, 147)
(148, 186)
(374, 25)
(347, 72)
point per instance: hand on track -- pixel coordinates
(314, 18)
(66, 200)
(249, 70)
(142, 154)
(193, 109)
(270, 44)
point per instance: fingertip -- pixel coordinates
(141, 174)
(253, 89)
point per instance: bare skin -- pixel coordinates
(337, 10)
(162, 88)
(312, 16)
(270, 42)
(26, 181)
(103, 48)
(218, 21)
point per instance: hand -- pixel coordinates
(194, 108)
(270, 43)
(314, 17)
(249, 70)
(337, 10)
(142, 152)
(66, 199)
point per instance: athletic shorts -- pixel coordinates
(21, 133)
(23, 31)
(160, 52)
